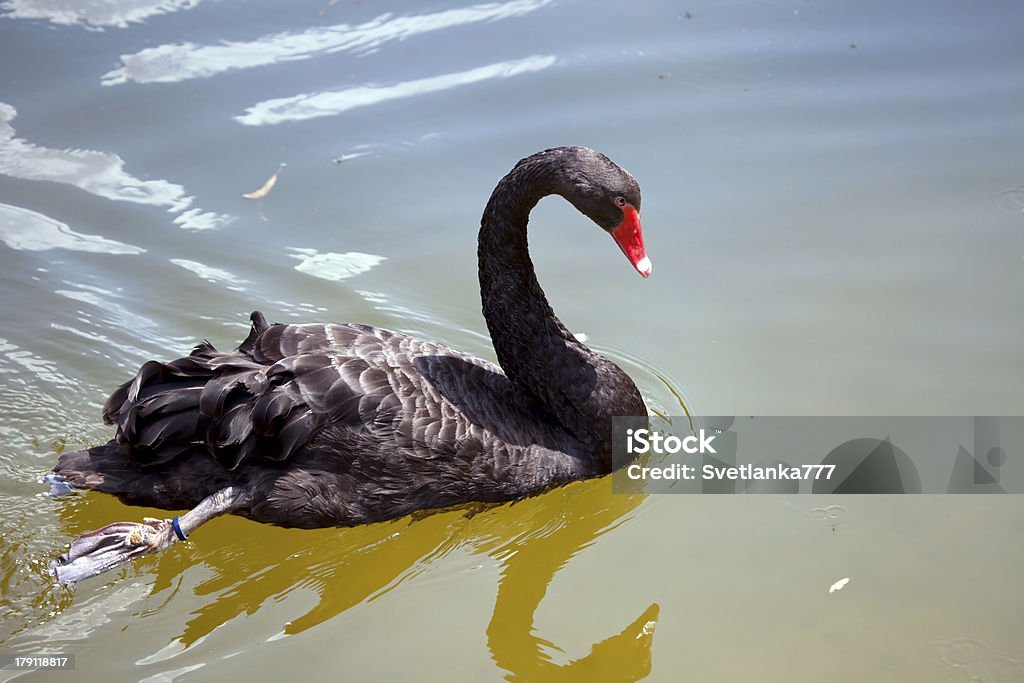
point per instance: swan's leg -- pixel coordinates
(97, 551)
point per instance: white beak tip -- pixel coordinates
(643, 266)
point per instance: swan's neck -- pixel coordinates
(578, 387)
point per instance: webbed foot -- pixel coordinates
(59, 485)
(115, 544)
(97, 551)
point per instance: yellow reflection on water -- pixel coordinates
(249, 565)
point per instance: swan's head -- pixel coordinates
(610, 197)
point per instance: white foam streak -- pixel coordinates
(94, 14)
(184, 61)
(211, 274)
(26, 230)
(98, 173)
(330, 103)
(333, 266)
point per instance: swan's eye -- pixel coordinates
(620, 202)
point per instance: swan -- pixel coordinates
(318, 425)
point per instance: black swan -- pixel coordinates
(338, 425)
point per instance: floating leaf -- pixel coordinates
(267, 186)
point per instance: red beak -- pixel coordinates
(630, 239)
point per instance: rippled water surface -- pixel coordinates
(834, 205)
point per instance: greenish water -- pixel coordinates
(834, 206)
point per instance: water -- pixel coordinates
(834, 205)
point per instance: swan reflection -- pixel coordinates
(241, 568)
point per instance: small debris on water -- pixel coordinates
(838, 585)
(267, 186)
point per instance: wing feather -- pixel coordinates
(349, 404)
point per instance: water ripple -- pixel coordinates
(333, 266)
(972, 660)
(211, 274)
(111, 316)
(333, 102)
(184, 61)
(43, 368)
(93, 15)
(26, 230)
(98, 173)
